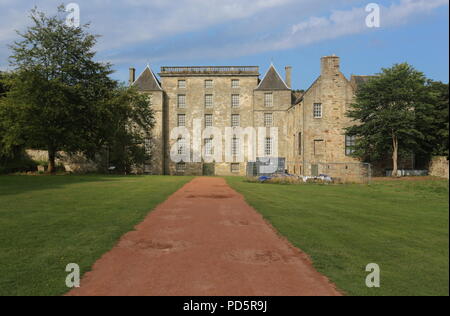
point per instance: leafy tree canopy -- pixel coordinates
(60, 98)
(385, 114)
(433, 121)
(2, 86)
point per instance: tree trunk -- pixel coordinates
(51, 160)
(395, 156)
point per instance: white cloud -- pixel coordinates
(339, 23)
(407, 9)
(166, 29)
(150, 20)
(314, 29)
(133, 22)
(342, 23)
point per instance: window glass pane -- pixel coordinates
(268, 99)
(209, 100)
(181, 120)
(235, 146)
(268, 148)
(181, 146)
(209, 147)
(181, 84)
(317, 110)
(350, 143)
(148, 146)
(235, 100)
(235, 120)
(181, 101)
(268, 120)
(208, 120)
(208, 84)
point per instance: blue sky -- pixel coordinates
(255, 32)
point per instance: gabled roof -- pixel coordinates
(272, 81)
(147, 81)
(300, 99)
(358, 81)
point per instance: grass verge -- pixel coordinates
(47, 222)
(400, 225)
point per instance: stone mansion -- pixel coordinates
(310, 140)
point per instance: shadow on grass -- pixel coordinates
(19, 184)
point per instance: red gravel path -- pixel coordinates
(204, 240)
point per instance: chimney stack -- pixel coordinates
(289, 76)
(330, 65)
(132, 75)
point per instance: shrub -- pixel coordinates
(22, 163)
(291, 180)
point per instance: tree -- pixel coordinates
(131, 121)
(58, 92)
(433, 121)
(2, 86)
(3, 154)
(385, 114)
(13, 158)
(60, 99)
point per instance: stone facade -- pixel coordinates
(316, 123)
(310, 128)
(439, 167)
(221, 110)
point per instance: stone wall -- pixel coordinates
(322, 138)
(71, 163)
(195, 109)
(156, 164)
(347, 172)
(304, 141)
(282, 100)
(439, 167)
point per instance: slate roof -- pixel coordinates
(272, 81)
(358, 81)
(147, 81)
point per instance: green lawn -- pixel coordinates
(47, 222)
(402, 226)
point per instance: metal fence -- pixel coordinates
(343, 172)
(408, 173)
(211, 69)
(266, 167)
(340, 172)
